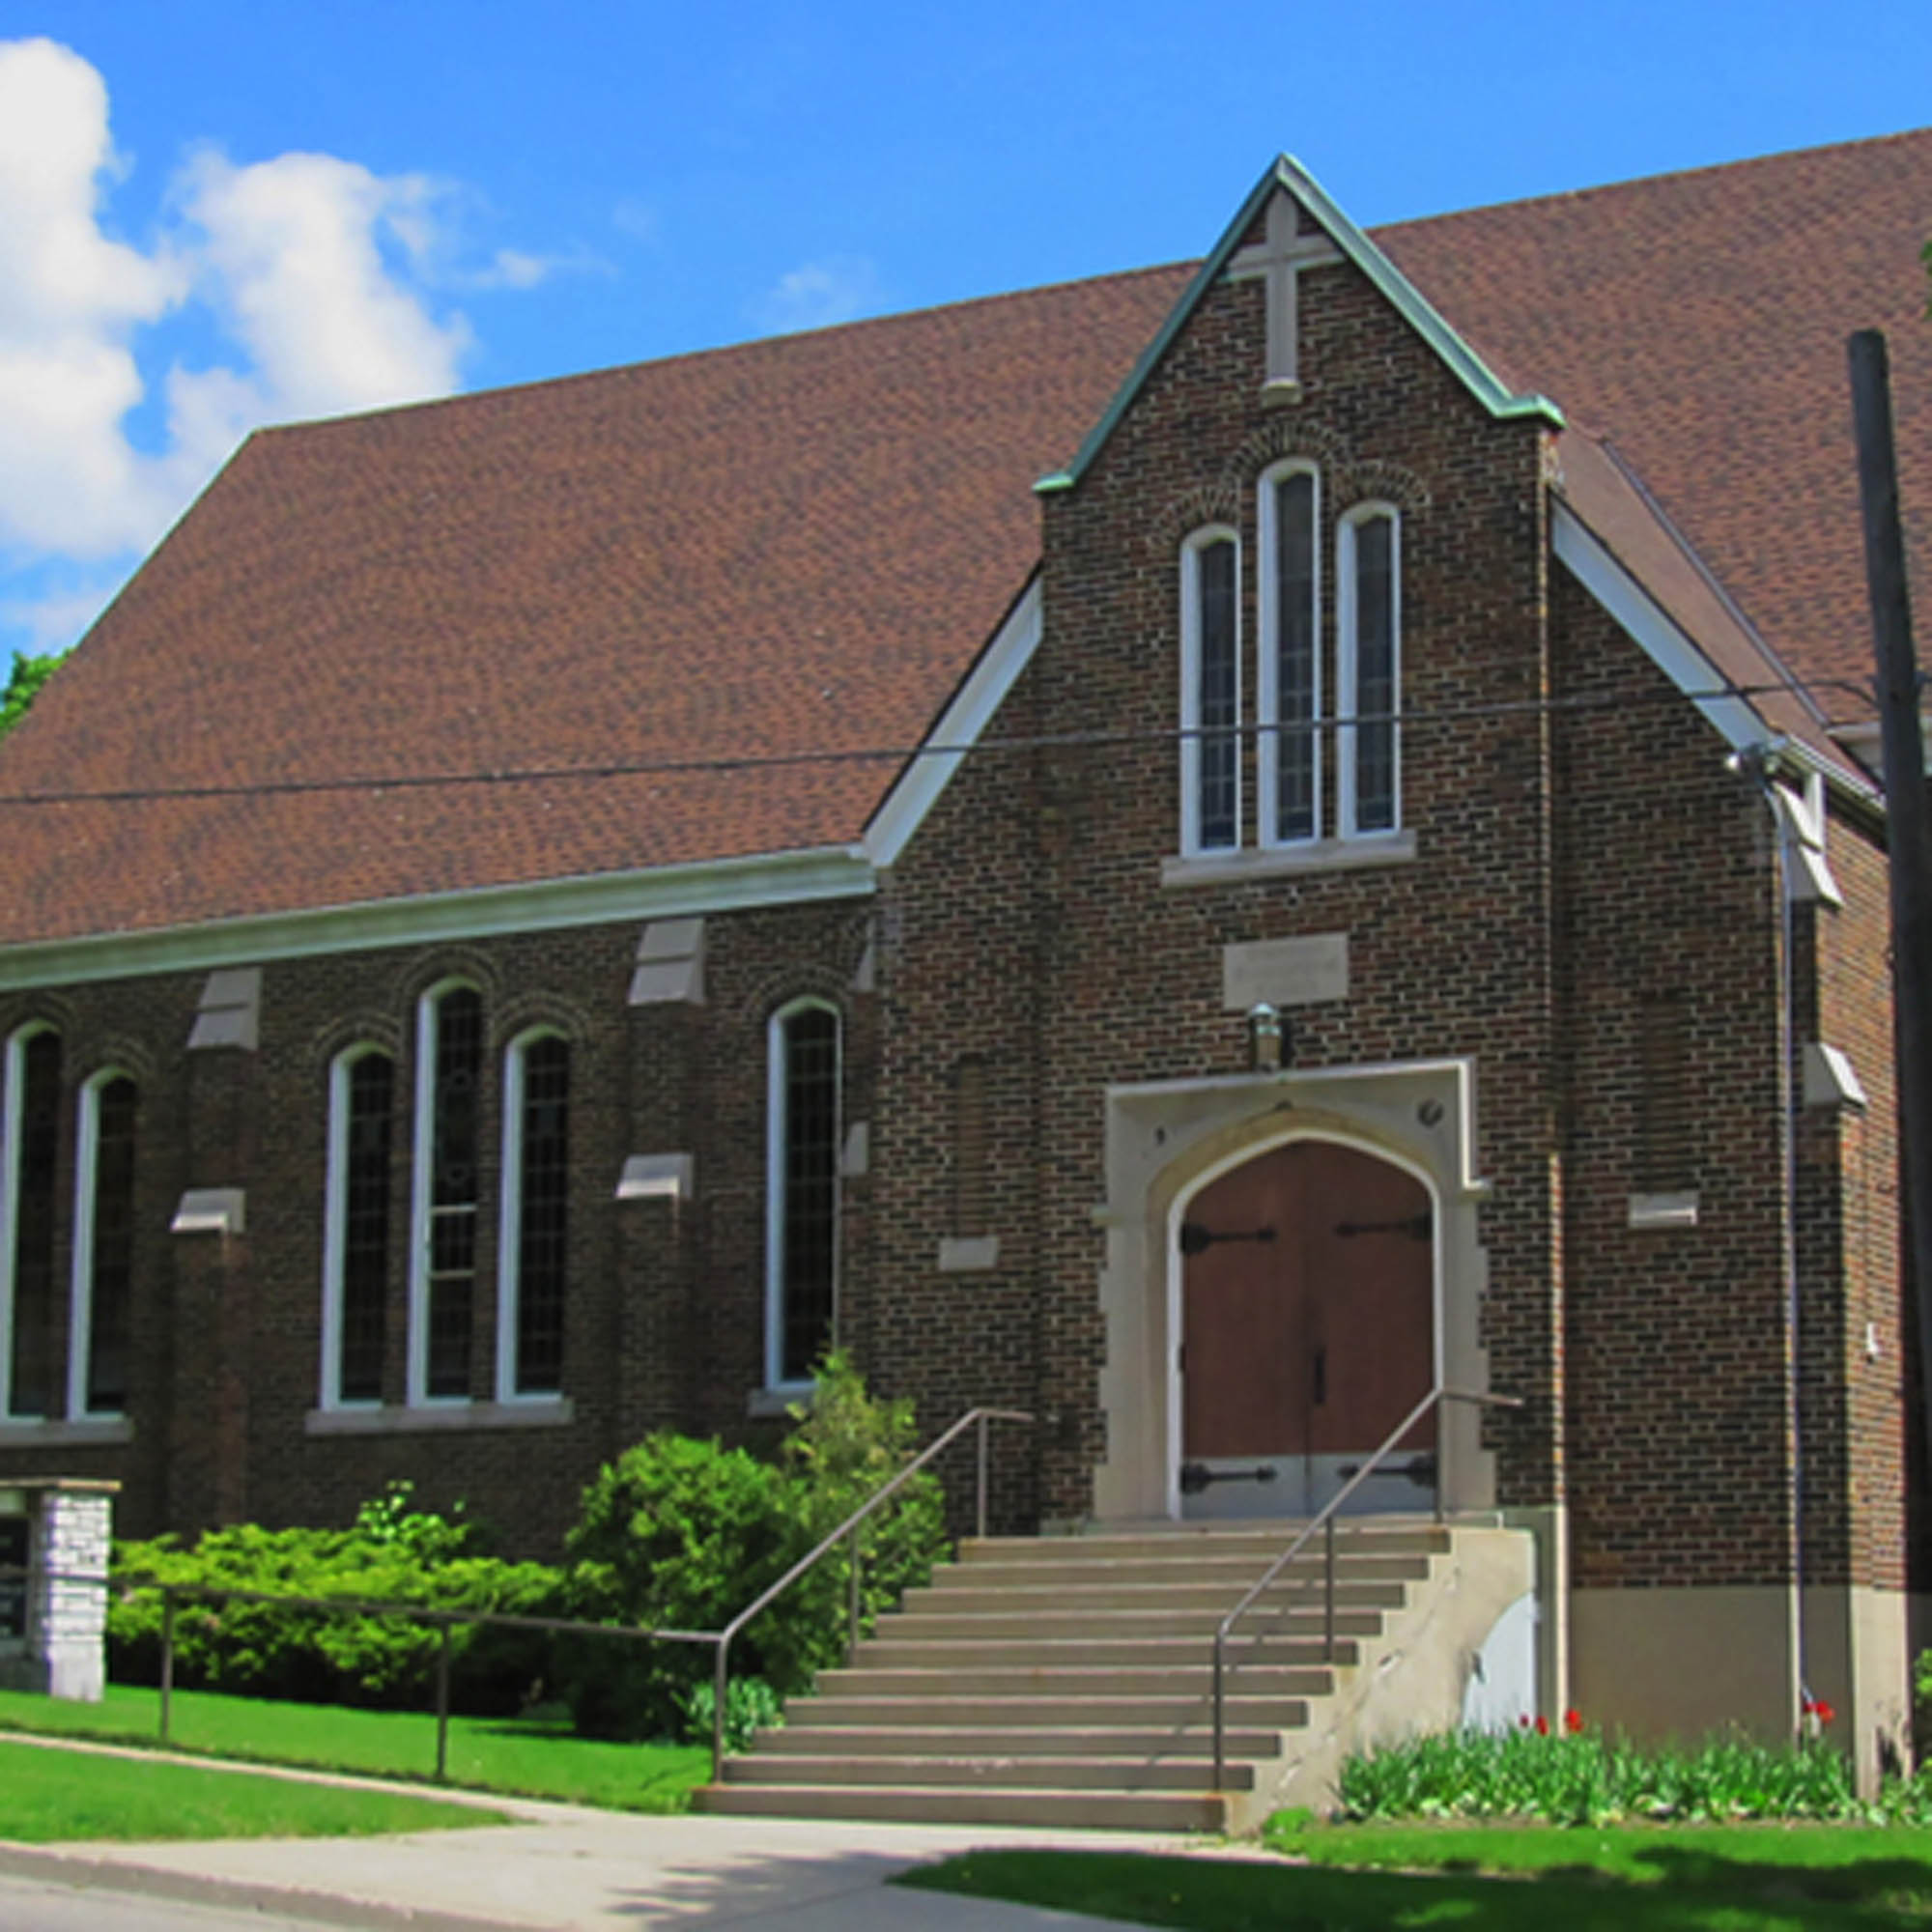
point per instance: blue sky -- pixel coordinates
(216, 216)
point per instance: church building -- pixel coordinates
(1208, 854)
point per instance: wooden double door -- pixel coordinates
(1307, 1334)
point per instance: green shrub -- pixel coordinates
(750, 1705)
(676, 1534)
(394, 1554)
(682, 1534)
(847, 1445)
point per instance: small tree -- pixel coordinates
(23, 685)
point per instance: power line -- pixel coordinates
(723, 764)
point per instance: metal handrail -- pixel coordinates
(447, 1618)
(1323, 1521)
(984, 1417)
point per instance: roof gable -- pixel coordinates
(1288, 177)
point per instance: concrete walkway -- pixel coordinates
(560, 1867)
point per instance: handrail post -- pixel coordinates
(443, 1706)
(167, 1658)
(1328, 1595)
(1220, 1734)
(718, 1682)
(852, 1598)
(980, 1490)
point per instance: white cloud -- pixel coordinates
(291, 257)
(817, 294)
(327, 284)
(70, 300)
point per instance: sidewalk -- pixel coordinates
(561, 1867)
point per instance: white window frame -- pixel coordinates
(13, 1097)
(1346, 682)
(1267, 680)
(422, 1157)
(81, 1275)
(775, 1150)
(335, 1224)
(1191, 550)
(510, 1217)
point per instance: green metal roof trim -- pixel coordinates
(1288, 174)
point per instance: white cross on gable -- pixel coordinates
(1278, 261)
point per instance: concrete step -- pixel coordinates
(1095, 1600)
(1069, 1681)
(1183, 1711)
(1239, 1573)
(1180, 1744)
(1380, 1536)
(897, 1651)
(1077, 1810)
(931, 1626)
(1032, 1769)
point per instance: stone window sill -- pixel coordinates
(1656, 1211)
(550, 1412)
(1275, 862)
(86, 1434)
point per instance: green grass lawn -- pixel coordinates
(532, 1757)
(1356, 1878)
(50, 1796)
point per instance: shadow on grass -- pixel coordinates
(1698, 1891)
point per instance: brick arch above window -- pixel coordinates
(95, 1056)
(360, 1032)
(1389, 485)
(536, 1014)
(38, 1010)
(1210, 504)
(827, 985)
(445, 966)
(1286, 439)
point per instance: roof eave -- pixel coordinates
(666, 892)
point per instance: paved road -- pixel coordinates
(29, 1906)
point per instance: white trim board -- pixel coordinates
(958, 731)
(668, 891)
(1644, 621)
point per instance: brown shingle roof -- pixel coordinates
(798, 546)
(1699, 321)
(795, 546)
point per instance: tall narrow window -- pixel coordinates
(536, 1195)
(103, 1247)
(1210, 700)
(355, 1246)
(1291, 659)
(29, 1163)
(1371, 671)
(450, 1066)
(802, 1214)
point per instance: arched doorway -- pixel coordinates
(1307, 1330)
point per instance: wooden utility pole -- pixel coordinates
(1908, 821)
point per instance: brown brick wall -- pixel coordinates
(1580, 845)
(665, 1311)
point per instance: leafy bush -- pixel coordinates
(684, 1535)
(1572, 1775)
(750, 1705)
(394, 1554)
(676, 1534)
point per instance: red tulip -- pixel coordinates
(1542, 1726)
(1572, 1721)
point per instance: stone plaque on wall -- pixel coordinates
(1285, 972)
